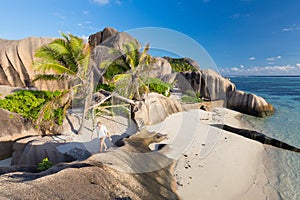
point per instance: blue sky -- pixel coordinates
(251, 37)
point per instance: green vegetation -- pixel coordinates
(158, 86)
(67, 58)
(190, 99)
(130, 84)
(44, 165)
(108, 87)
(116, 67)
(33, 105)
(180, 64)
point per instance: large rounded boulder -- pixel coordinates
(249, 104)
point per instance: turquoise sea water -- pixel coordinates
(284, 94)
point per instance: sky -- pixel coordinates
(242, 37)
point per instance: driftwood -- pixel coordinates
(259, 137)
(112, 95)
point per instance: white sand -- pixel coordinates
(212, 163)
(117, 126)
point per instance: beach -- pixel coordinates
(210, 163)
(217, 164)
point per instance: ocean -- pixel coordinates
(283, 92)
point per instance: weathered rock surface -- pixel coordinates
(101, 57)
(249, 104)
(156, 107)
(12, 127)
(32, 150)
(99, 177)
(208, 83)
(16, 58)
(213, 86)
(119, 40)
(99, 37)
(160, 68)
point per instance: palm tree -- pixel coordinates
(130, 83)
(66, 58)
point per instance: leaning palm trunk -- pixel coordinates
(86, 124)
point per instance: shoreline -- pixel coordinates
(217, 164)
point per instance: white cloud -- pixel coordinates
(85, 38)
(263, 70)
(242, 66)
(252, 58)
(291, 28)
(287, 29)
(84, 24)
(102, 2)
(274, 58)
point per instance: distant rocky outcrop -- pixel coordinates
(16, 58)
(97, 38)
(208, 83)
(248, 103)
(212, 86)
(110, 175)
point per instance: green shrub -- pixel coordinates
(180, 64)
(44, 165)
(190, 99)
(29, 103)
(108, 87)
(116, 67)
(158, 86)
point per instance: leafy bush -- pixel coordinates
(29, 104)
(44, 165)
(190, 99)
(108, 87)
(116, 67)
(180, 64)
(157, 85)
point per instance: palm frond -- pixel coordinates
(50, 77)
(59, 47)
(59, 69)
(121, 77)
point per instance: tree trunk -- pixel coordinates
(87, 124)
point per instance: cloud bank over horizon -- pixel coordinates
(262, 70)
